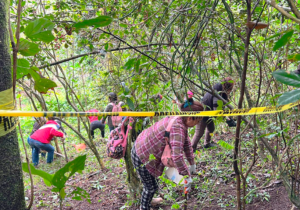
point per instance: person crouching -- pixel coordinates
(40, 140)
(151, 141)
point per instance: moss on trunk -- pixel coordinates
(11, 178)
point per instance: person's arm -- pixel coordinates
(177, 139)
(57, 133)
(188, 150)
(107, 109)
(63, 130)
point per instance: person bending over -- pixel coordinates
(151, 141)
(96, 124)
(40, 140)
(113, 106)
(210, 101)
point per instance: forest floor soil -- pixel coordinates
(108, 190)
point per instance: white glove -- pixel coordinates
(188, 184)
(192, 169)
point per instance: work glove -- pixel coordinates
(192, 169)
(187, 184)
(231, 123)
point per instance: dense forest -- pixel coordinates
(154, 56)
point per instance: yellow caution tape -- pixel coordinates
(216, 113)
(7, 123)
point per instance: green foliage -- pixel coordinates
(59, 179)
(283, 40)
(27, 48)
(289, 97)
(46, 177)
(43, 85)
(291, 79)
(295, 57)
(40, 30)
(287, 78)
(151, 157)
(22, 67)
(225, 145)
(99, 21)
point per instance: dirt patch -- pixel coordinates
(213, 188)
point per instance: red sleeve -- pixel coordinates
(56, 133)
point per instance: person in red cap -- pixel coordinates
(40, 140)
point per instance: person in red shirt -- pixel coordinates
(40, 140)
(95, 124)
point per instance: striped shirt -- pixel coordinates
(151, 141)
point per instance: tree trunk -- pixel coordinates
(132, 179)
(11, 178)
(57, 146)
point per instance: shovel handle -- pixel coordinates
(185, 196)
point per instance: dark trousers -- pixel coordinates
(205, 124)
(95, 125)
(149, 181)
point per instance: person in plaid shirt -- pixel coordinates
(151, 141)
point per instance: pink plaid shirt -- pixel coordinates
(151, 141)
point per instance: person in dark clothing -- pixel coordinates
(210, 101)
(96, 124)
(39, 122)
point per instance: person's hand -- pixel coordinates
(192, 169)
(188, 184)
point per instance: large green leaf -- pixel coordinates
(284, 77)
(27, 48)
(40, 30)
(63, 174)
(130, 104)
(33, 73)
(283, 40)
(22, 68)
(100, 21)
(47, 177)
(289, 97)
(43, 85)
(130, 64)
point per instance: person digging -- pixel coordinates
(153, 141)
(40, 140)
(207, 124)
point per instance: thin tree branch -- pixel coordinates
(282, 11)
(294, 8)
(100, 51)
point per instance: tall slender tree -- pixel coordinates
(11, 179)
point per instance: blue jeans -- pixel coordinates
(36, 147)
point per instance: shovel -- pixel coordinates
(185, 196)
